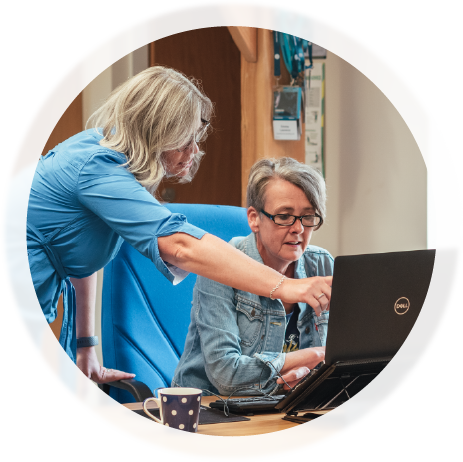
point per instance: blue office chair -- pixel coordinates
(145, 318)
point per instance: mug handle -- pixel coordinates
(148, 413)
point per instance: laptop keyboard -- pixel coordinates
(245, 405)
(256, 399)
(258, 403)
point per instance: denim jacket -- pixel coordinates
(235, 338)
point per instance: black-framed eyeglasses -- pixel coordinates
(285, 219)
(198, 136)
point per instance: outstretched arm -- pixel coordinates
(214, 259)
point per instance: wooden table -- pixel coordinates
(263, 437)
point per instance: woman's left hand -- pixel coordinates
(88, 363)
(315, 291)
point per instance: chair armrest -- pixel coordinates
(138, 390)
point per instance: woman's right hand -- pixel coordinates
(308, 290)
(87, 362)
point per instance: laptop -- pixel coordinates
(375, 301)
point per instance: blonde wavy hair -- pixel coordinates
(155, 111)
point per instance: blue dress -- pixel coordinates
(83, 204)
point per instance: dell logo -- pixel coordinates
(402, 305)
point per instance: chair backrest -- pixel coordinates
(145, 318)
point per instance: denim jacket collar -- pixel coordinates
(248, 245)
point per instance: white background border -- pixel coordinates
(410, 49)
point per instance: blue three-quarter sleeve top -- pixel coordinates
(83, 203)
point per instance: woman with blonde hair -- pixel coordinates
(97, 189)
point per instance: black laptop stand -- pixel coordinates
(333, 385)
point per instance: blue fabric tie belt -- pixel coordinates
(67, 338)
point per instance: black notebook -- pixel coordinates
(206, 415)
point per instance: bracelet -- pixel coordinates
(87, 341)
(276, 287)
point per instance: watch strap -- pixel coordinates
(87, 341)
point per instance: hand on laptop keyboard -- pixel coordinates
(298, 364)
(293, 377)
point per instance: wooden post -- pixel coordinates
(245, 39)
(257, 141)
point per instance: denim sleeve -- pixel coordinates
(110, 191)
(226, 367)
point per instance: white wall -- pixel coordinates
(375, 174)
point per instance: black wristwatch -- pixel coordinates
(87, 341)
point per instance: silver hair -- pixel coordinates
(153, 112)
(301, 175)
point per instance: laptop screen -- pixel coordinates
(375, 301)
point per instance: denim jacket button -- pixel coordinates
(307, 329)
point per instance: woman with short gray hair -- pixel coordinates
(301, 175)
(257, 344)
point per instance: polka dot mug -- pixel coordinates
(178, 408)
